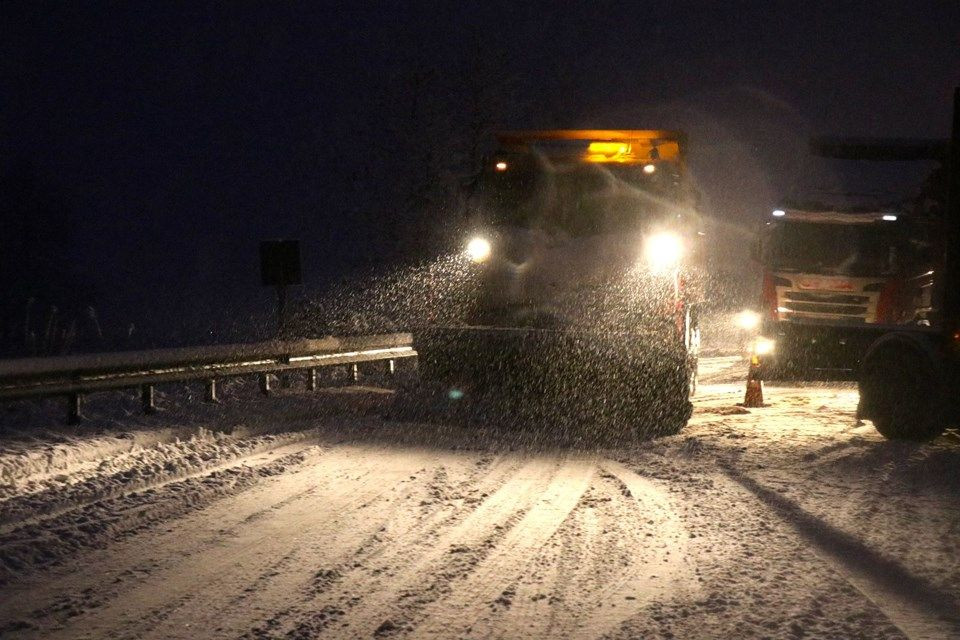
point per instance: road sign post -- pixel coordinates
(280, 267)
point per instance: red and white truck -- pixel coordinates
(840, 268)
(828, 278)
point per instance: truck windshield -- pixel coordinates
(577, 198)
(852, 250)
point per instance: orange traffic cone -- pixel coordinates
(754, 396)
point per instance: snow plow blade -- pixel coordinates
(605, 383)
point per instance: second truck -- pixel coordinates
(850, 257)
(909, 375)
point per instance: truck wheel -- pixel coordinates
(901, 389)
(671, 409)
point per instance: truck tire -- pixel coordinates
(902, 388)
(671, 409)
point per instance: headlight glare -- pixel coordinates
(748, 319)
(479, 249)
(763, 346)
(663, 250)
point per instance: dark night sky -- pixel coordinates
(179, 135)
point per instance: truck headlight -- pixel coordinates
(663, 250)
(763, 346)
(479, 249)
(747, 319)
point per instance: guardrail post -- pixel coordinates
(74, 406)
(311, 379)
(265, 384)
(210, 392)
(147, 399)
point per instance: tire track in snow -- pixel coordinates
(361, 606)
(314, 564)
(918, 609)
(356, 571)
(35, 546)
(663, 571)
(124, 564)
(622, 547)
(338, 536)
(230, 541)
(509, 559)
(204, 526)
(251, 550)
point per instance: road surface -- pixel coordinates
(313, 516)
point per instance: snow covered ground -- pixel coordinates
(313, 515)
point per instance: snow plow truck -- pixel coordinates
(579, 246)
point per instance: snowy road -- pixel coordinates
(315, 517)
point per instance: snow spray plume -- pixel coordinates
(439, 291)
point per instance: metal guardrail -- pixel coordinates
(74, 376)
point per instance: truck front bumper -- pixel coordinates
(815, 351)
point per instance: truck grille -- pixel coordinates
(828, 298)
(833, 309)
(826, 306)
